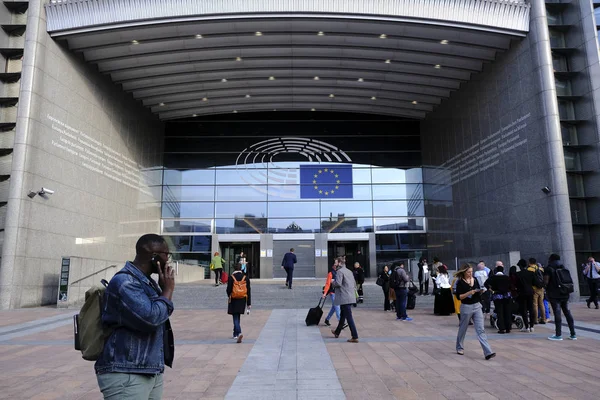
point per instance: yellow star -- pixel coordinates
(316, 187)
(337, 176)
(316, 175)
(325, 170)
(332, 191)
(314, 181)
(331, 171)
(320, 191)
(320, 171)
(337, 187)
(326, 193)
(338, 181)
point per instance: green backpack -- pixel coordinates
(89, 332)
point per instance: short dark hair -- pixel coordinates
(532, 261)
(148, 239)
(554, 257)
(292, 249)
(500, 268)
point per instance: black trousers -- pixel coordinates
(424, 283)
(593, 285)
(218, 272)
(557, 306)
(290, 275)
(527, 312)
(386, 298)
(486, 301)
(503, 310)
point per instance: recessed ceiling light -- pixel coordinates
(235, 111)
(332, 95)
(444, 41)
(271, 78)
(199, 36)
(135, 42)
(161, 104)
(248, 96)
(205, 99)
(373, 98)
(258, 34)
(223, 80)
(238, 59)
(194, 115)
(274, 109)
(316, 78)
(321, 33)
(437, 66)
(388, 61)
(361, 80)
(383, 36)
(415, 102)
(313, 109)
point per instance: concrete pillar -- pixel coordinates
(266, 262)
(321, 263)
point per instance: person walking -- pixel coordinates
(141, 343)
(423, 276)
(443, 304)
(468, 292)
(525, 282)
(359, 277)
(239, 294)
(499, 284)
(216, 264)
(559, 300)
(242, 260)
(591, 271)
(289, 259)
(329, 290)
(345, 297)
(385, 278)
(399, 281)
(538, 291)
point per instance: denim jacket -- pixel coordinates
(139, 316)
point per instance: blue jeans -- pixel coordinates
(334, 308)
(557, 306)
(346, 314)
(401, 298)
(117, 385)
(290, 274)
(237, 329)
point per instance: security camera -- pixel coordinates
(546, 189)
(44, 191)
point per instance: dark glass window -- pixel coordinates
(241, 225)
(293, 209)
(178, 243)
(346, 208)
(401, 241)
(346, 224)
(201, 243)
(294, 225)
(393, 208)
(399, 224)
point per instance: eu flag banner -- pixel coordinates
(326, 181)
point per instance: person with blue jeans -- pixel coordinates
(141, 343)
(329, 290)
(398, 281)
(237, 306)
(345, 287)
(289, 259)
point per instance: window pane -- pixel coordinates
(294, 209)
(346, 224)
(361, 175)
(399, 224)
(201, 243)
(178, 243)
(393, 208)
(284, 176)
(389, 175)
(241, 193)
(185, 226)
(401, 241)
(346, 208)
(241, 225)
(188, 193)
(188, 210)
(237, 209)
(189, 177)
(241, 177)
(294, 225)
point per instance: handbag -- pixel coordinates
(379, 281)
(212, 266)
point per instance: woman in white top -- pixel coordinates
(444, 304)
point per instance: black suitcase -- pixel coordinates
(314, 314)
(411, 301)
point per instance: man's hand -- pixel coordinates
(166, 280)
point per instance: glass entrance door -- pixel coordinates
(354, 252)
(230, 251)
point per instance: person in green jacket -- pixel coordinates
(216, 264)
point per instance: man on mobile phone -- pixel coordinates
(137, 309)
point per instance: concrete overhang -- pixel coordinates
(184, 58)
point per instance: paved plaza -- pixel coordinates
(281, 358)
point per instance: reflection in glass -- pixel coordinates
(241, 225)
(283, 192)
(200, 259)
(294, 209)
(359, 192)
(188, 193)
(390, 192)
(389, 175)
(241, 193)
(188, 210)
(361, 175)
(178, 243)
(294, 225)
(346, 224)
(242, 177)
(399, 224)
(201, 243)
(239, 209)
(189, 177)
(186, 226)
(401, 241)
(347, 208)
(401, 207)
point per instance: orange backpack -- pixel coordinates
(240, 290)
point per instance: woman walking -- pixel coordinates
(329, 290)
(238, 291)
(500, 286)
(216, 264)
(444, 303)
(385, 277)
(469, 293)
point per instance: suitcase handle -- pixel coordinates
(323, 301)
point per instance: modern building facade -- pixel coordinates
(383, 131)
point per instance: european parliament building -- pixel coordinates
(383, 130)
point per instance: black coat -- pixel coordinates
(525, 282)
(237, 306)
(386, 281)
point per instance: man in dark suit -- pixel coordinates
(289, 259)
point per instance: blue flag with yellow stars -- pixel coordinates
(326, 181)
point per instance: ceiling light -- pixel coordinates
(313, 109)
(415, 102)
(161, 104)
(274, 109)
(316, 78)
(223, 80)
(271, 78)
(332, 95)
(373, 98)
(194, 115)
(199, 37)
(238, 59)
(248, 96)
(258, 34)
(235, 111)
(388, 61)
(437, 66)
(205, 99)
(361, 80)
(444, 41)
(321, 33)
(383, 36)
(135, 42)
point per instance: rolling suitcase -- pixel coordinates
(411, 301)
(224, 277)
(314, 314)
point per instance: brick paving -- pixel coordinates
(394, 360)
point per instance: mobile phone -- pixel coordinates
(155, 260)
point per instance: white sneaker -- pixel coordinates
(531, 330)
(524, 330)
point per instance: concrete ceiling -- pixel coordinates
(186, 68)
